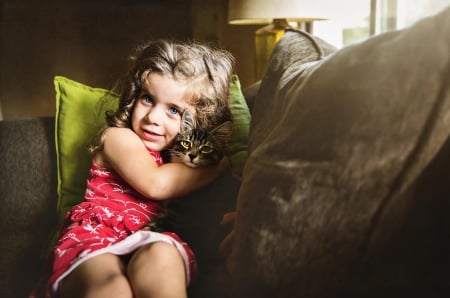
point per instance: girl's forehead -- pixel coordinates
(165, 88)
(159, 81)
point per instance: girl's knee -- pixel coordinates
(102, 276)
(157, 269)
(157, 254)
(111, 285)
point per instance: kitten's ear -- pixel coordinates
(187, 121)
(223, 131)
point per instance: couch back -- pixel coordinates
(28, 200)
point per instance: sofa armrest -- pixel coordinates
(28, 199)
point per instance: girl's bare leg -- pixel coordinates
(101, 276)
(157, 270)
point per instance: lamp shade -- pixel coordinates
(243, 12)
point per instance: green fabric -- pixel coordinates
(241, 125)
(80, 114)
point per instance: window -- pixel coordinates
(398, 14)
(355, 20)
(349, 21)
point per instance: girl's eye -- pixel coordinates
(174, 111)
(148, 99)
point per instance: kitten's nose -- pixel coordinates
(192, 156)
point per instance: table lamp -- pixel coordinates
(277, 16)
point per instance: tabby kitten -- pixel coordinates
(195, 147)
(199, 147)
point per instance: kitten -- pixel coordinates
(195, 147)
(199, 147)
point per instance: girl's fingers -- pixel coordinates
(228, 217)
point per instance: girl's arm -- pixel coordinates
(126, 154)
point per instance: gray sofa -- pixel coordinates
(345, 192)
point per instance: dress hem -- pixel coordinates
(131, 244)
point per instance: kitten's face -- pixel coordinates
(197, 147)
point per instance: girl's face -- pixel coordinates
(156, 116)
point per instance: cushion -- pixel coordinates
(79, 116)
(241, 125)
(80, 113)
(337, 145)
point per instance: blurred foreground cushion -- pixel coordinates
(344, 191)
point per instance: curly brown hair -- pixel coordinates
(206, 70)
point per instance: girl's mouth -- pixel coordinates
(150, 135)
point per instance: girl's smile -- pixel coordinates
(151, 136)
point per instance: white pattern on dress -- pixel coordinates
(101, 172)
(92, 229)
(108, 213)
(89, 192)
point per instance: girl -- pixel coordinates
(103, 250)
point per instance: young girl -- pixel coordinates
(104, 249)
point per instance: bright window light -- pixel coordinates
(350, 20)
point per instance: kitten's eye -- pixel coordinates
(205, 149)
(185, 144)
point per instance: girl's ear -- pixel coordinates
(223, 131)
(187, 121)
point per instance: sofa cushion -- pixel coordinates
(337, 147)
(80, 113)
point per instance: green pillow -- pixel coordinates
(80, 114)
(241, 126)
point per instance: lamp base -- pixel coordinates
(265, 40)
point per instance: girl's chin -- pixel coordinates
(152, 146)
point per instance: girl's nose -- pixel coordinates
(153, 115)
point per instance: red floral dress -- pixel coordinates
(109, 220)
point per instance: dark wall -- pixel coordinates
(89, 41)
(84, 40)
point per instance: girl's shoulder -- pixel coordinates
(110, 136)
(121, 143)
(119, 137)
(117, 132)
